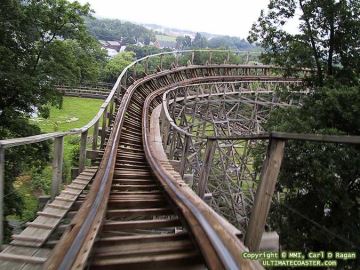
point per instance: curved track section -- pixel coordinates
(138, 214)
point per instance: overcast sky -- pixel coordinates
(224, 17)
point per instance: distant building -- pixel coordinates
(116, 45)
(113, 47)
(122, 49)
(111, 52)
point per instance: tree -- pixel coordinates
(128, 33)
(116, 65)
(319, 183)
(199, 41)
(228, 42)
(328, 38)
(183, 42)
(33, 38)
(143, 51)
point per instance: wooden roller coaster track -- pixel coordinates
(134, 211)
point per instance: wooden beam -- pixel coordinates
(95, 135)
(186, 146)
(57, 166)
(205, 170)
(82, 154)
(103, 128)
(264, 194)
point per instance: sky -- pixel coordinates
(224, 17)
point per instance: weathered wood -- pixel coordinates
(95, 135)
(2, 179)
(82, 154)
(186, 146)
(264, 193)
(104, 127)
(206, 167)
(57, 166)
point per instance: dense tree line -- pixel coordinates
(201, 42)
(112, 29)
(319, 183)
(41, 42)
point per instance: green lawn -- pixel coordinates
(166, 38)
(75, 113)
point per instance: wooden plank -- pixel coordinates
(57, 166)
(264, 193)
(49, 218)
(140, 224)
(22, 258)
(82, 154)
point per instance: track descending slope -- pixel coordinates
(130, 219)
(140, 227)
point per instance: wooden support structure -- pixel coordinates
(95, 135)
(103, 128)
(57, 166)
(111, 112)
(206, 167)
(82, 154)
(264, 194)
(186, 146)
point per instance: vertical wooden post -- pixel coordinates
(205, 170)
(192, 57)
(82, 154)
(95, 135)
(2, 183)
(111, 112)
(173, 144)
(264, 193)
(186, 146)
(210, 57)
(164, 127)
(57, 166)
(103, 128)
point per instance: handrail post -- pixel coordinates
(57, 166)
(95, 135)
(103, 128)
(205, 170)
(184, 154)
(111, 112)
(2, 183)
(264, 194)
(82, 154)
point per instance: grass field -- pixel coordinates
(166, 38)
(75, 113)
